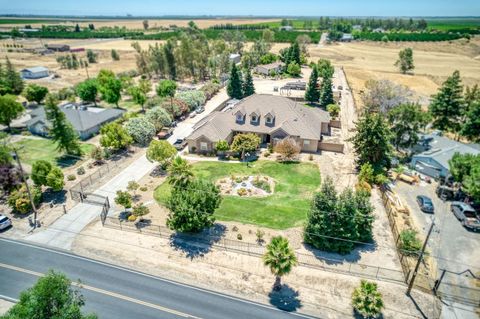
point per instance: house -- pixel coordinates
(271, 117)
(346, 37)
(378, 30)
(58, 47)
(357, 27)
(235, 58)
(269, 69)
(36, 72)
(434, 152)
(85, 120)
(286, 28)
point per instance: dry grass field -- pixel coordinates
(433, 63)
(138, 23)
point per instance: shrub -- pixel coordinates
(288, 148)
(363, 186)
(266, 154)
(367, 301)
(143, 188)
(80, 170)
(310, 157)
(140, 210)
(367, 174)
(19, 201)
(71, 177)
(140, 129)
(239, 236)
(234, 228)
(159, 117)
(262, 185)
(409, 242)
(242, 192)
(333, 109)
(260, 234)
(132, 218)
(193, 99)
(97, 154)
(222, 146)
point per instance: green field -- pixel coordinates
(31, 150)
(286, 207)
(453, 23)
(28, 21)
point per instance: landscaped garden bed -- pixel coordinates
(285, 207)
(246, 186)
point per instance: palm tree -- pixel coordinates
(180, 172)
(280, 258)
(366, 300)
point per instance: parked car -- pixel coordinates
(340, 87)
(192, 115)
(425, 203)
(180, 144)
(200, 109)
(174, 124)
(5, 222)
(165, 133)
(466, 214)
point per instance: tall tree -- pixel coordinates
(405, 122)
(167, 88)
(138, 96)
(280, 258)
(87, 91)
(181, 173)
(405, 60)
(114, 136)
(448, 105)
(234, 87)
(10, 109)
(40, 170)
(325, 68)
(372, 141)
(13, 82)
(248, 86)
(169, 49)
(161, 152)
(51, 297)
(61, 130)
(35, 93)
(312, 94)
(471, 126)
(112, 91)
(326, 93)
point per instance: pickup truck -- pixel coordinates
(165, 133)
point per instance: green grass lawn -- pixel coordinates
(32, 150)
(287, 207)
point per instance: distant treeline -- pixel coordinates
(75, 35)
(402, 36)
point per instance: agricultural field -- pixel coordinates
(286, 207)
(453, 24)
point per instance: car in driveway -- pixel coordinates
(466, 214)
(165, 133)
(425, 203)
(5, 222)
(180, 144)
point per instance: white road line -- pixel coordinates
(154, 277)
(105, 292)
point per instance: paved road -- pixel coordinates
(116, 292)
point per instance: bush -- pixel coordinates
(260, 183)
(80, 170)
(363, 186)
(260, 234)
(310, 157)
(19, 201)
(132, 218)
(140, 129)
(288, 148)
(71, 177)
(140, 210)
(242, 192)
(409, 242)
(239, 236)
(193, 98)
(97, 154)
(367, 301)
(334, 110)
(222, 146)
(143, 188)
(159, 117)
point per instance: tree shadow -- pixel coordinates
(286, 299)
(55, 198)
(331, 258)
(195, 245)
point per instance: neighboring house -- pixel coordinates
(286, 28)
(85, 120)
(34, 73)
(357, 27)
(435, 151)
(235, 58)
(271, 117)
(29, 30)
(346, 37)
(268, 69)
(378, 30)
(58, 47)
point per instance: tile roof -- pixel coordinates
(294, 118)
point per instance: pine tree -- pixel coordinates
(295, 53)
(448, 105)
(61, 130)
(13, 81)
(169, 48)
(326, 93)
(312, 94)
(234, 87)
(471, 126)
(248, 87)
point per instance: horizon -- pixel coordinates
(247, 8)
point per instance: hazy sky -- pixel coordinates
(245, 7)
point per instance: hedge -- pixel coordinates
(397, 36)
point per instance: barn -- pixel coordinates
(34, 73)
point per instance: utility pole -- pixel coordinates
(422, 252)
(28, 188)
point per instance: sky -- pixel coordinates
(245, 7)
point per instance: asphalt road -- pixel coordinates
(116, 292)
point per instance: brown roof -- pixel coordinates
(295, 119)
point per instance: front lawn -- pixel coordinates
(31, 150)
(287, 207)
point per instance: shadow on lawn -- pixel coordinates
(197, 245)
(286, 299)
(336, 258)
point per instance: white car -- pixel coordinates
(192, 115)
(5, 222)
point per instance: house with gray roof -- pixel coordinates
(36, 72)
(269, 69)
(435, 151)
(87, 121)
(271, 117)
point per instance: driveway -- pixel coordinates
(454, 247)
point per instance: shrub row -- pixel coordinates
(418, 37)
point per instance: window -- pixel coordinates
(239, 117)
(254, 118)
(268, 120)
(203, 146)
(306, 142)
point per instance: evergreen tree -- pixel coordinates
(312, 94)
(77, 28)
(169, 49)
(13, 82)
(326, 93)
(234, 87)
(295, 53)
(248, 87)
(448, 106)
(471, 126)
(61, 130)
(405, 122)
(372, 141)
